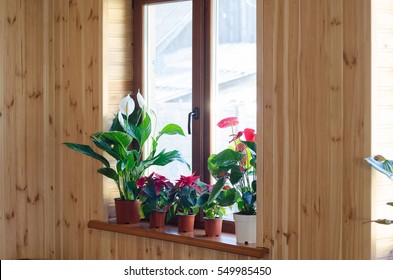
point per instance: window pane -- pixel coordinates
(234, 74)
(168, 82)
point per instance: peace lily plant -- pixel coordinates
(125, 142)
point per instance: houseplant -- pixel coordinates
(125, 143)
(184, 201)
(236, 166)
(154, 195)
(384, 166)
(213, 202)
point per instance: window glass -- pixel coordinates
(234, 70)
(168, 82)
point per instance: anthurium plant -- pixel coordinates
(185, 194)
(154, 193)
(213, 202)
(236, 167)
(125, 142)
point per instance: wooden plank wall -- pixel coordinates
(117, 61)
(382, 126)
(50, 93)
(315, 96)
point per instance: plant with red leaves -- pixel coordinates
(154, 193)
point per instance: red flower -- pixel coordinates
(187, 180)
(237, 136)
(141, 181)
(227, 122)
(250, 135)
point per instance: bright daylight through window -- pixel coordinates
(168, 78)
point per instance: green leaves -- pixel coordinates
(121, 138)
(383, 221)
(109, 172)
(171, 129)
(87, 150)
(140, 132)
(119, 143)
(217, 188)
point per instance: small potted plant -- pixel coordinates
(154, 195)
(184, 201)
(236, 166)
(125, 142)
(213, 202)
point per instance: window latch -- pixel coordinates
(195, 115)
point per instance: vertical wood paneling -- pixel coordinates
(2, 139)
(316, 129)
(9, 202)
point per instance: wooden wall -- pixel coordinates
(315, 117)
(315, 99)
(50, 93)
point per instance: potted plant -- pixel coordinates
(384, 166)
(125, 142)
(154, 195)
(184, 201)
(236, 166)
(213, 202)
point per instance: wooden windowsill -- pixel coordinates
(226, 242)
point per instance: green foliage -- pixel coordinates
(235, 168)
(125, 142)
(215, 208)
(155, 193)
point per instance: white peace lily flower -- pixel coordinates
(141, 100)
(121, 119)
(127, 105)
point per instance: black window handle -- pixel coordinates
(195, 115)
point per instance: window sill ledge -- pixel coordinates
(226, 242)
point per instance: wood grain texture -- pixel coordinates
(226, 242)
(316, 129)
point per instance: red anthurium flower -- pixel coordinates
(241, 147)
(227, 122)
(250, 135)
(237, 136)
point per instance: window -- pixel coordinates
(197, 54)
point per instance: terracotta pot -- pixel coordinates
(245, 227)
(185, 223)
(127, 211)
(157, 219)
(213, 227)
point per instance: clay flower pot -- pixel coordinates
(157, 219)
(185, 223)
(127, 211)
(213, 227)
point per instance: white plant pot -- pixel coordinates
(245, 227)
